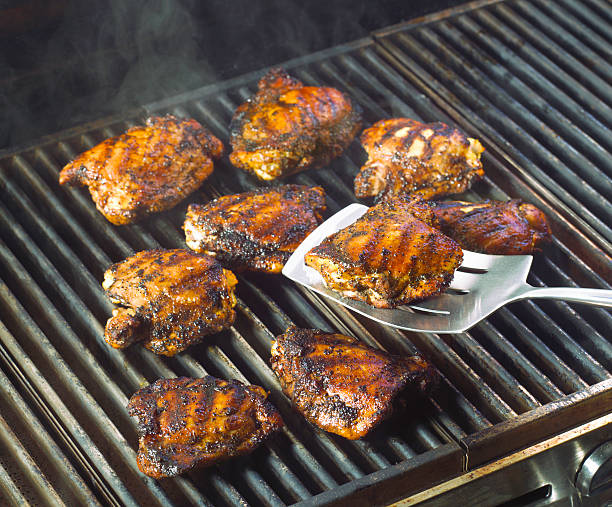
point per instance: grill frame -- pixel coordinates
(540, 410)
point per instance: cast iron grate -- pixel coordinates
(54, 247)
(534, 77)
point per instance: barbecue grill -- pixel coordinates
(525, 396)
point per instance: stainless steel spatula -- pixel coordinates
(481, 285)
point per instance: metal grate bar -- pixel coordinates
(54, 363)
(41, 489)
(469, 383)
(601, 9)
(581, 151)
(542, 75)
(551, 39)
(591, 339)
(30, 421)
(87, 320)
(493, 373)
(538, 352)
(93, 361)
(538, 384)
(42, 447)
(541, 136)
(590, 38)
(514, 363)
(580, 361)
(49, 395)
(109, 244)
(489, 113)
(559, 86)
(11, 492)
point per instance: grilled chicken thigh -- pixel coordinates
(406, 156)
(256, 230)
(146, 169)
(390, 256)
(494, 227)
(186, 423)
(170, 299)
(342, 385)
(287, 127)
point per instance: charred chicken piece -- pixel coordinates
(146, 169)
(406, 156)
(170, 299)
(287, 127)
(342, 385)
(390, 256)
(255, 230)
(494, 227)
(186, 423)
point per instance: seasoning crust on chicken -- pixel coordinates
(494, 227)
(170, 300)
(256, 230)
(147, 169)
(406, 156)
(287, 127)
(341, 385)
(186, 423)
(390, 256)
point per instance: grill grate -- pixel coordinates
(531, 366)
(534, 78)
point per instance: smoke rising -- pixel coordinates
(80, 61)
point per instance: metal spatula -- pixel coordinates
(481, 285)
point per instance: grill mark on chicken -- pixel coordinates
(173, 298)
(146, 169)
(494, 227)
(256, 230)
(341, 385)
(287, 127)
(406, 156)
(390, 256)
(185, 423)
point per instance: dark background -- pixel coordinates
(65, 62)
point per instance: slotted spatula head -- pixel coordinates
(481, 285)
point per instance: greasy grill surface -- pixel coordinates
(534, 77)
(55, 246)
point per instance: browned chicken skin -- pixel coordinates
(390, 256)
(494, 227)
(170, 299)
(186, 423)
(342, 385)
(146, 169)
(406, 156)
(255, 230)
(287, 127)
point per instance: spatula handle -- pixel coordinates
(600, 297)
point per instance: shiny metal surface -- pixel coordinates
(481, 285)
(540, 475)
(594, 478)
